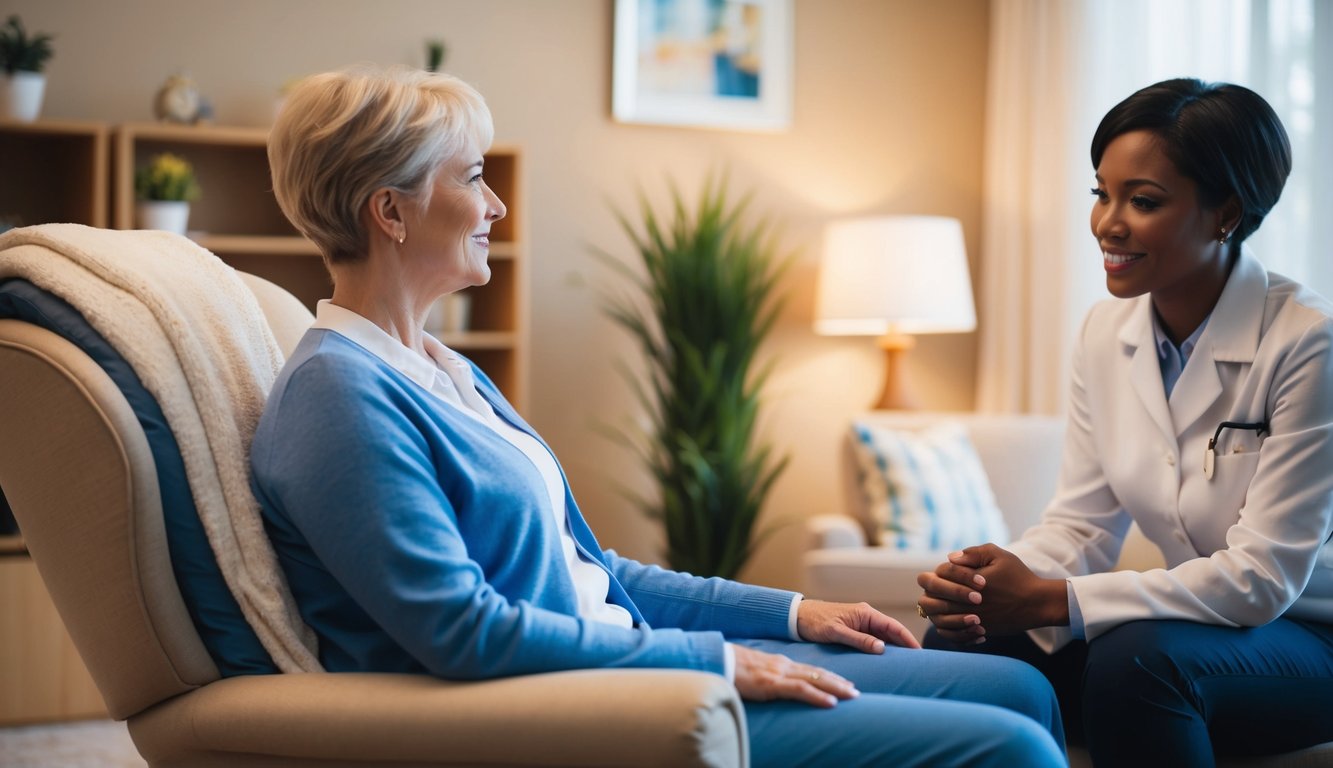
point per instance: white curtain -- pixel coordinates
(1055, 69)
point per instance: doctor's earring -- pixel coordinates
(1222, 238)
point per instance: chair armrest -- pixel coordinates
(585, 717)
(884, 578)
(833, 532)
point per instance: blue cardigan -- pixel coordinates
(416, 539)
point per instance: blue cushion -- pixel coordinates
(924, 491)
(217, 617)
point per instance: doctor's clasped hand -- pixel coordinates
(987, 588)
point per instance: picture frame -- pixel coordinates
(703, 63)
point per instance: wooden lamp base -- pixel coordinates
(897, 393)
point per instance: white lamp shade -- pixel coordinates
(894, 275)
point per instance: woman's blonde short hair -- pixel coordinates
(342, 135)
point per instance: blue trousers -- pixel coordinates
(916, 708)
(1178, 693)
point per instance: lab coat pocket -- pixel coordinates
(1232, 473)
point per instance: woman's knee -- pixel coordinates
(1004, 738)
(995, 680)
(1023, 688)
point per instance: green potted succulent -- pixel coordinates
(165, 187)
(22, 83)
(699, 312)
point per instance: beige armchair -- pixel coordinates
(77, 469)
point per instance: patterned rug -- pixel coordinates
(89, 744)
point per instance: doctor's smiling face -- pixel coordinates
(1155, 234)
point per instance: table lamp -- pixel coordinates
(891, 277)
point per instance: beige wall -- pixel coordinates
(888, 118)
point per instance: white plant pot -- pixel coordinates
(21, 96)
(166, 215)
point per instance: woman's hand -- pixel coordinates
(764, 676)
(856, 625)
(988, 589)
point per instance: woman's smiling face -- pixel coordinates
(1155, 235)
(453, 229)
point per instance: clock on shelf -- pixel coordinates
(179, 101)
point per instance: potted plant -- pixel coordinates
(165, 187)
(22, 83)
(699, 313)
(435, 51)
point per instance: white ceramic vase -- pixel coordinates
(21, 96)
(166, 215)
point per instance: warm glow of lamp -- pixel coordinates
(894, 276)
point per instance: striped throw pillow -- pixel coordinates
(925, 491)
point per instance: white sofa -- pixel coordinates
(1021, 456)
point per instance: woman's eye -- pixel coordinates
(475, 179)
(1144, 203)
(1099, 193)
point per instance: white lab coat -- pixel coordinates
(1242, 548)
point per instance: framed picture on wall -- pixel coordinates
(703, 63)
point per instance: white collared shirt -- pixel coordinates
(1173, 358)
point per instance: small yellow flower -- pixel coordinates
(166, 177)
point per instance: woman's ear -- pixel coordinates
(1229, 213)
(385, 209)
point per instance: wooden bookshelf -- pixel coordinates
(54, 171)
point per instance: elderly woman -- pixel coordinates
(425, 527)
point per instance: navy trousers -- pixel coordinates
(1178, 693)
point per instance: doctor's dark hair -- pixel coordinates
(1224, 137)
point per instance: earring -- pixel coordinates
(401, 237)
(1222, 240)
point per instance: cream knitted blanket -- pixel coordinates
(197, 339)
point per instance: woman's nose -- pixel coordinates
(496, 210)
(1107, 224)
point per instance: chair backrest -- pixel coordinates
(78, 472)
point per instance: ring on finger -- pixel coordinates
(814, 677)
(921, 611)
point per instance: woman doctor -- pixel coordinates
(1201, 408)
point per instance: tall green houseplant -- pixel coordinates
(699, 311)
